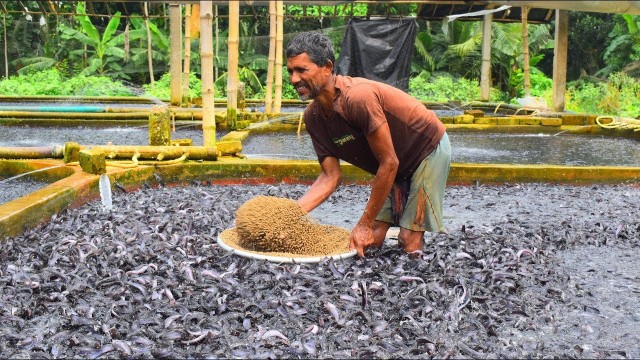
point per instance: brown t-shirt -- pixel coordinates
(360, 107)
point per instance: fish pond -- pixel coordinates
(524, 270)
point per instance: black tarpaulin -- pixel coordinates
(379, 49)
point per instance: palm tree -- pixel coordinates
(456, 48)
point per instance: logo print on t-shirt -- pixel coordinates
(343, 139)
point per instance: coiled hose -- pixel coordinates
(618, 123)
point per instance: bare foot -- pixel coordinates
(411, 245)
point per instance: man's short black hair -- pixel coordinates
(315, 44)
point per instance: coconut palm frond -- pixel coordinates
(468, 46)
(507, 38)
(421, 45)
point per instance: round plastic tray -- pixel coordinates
(281, 259)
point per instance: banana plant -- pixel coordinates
(106, 56)
(33, 64)
(251, 65)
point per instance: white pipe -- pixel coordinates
(620, 7)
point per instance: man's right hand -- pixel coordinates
(361, 238)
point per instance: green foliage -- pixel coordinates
(161, 89)
(619, 96)
(456, 48)
(444, 88)
(245, 75)
(288, 91)
(52, 82)
(540, 83)
(624, 45)
(507, 53)
(588, 38)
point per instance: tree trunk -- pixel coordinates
(268, 97)
(175, 59)
(232, 68)
(206, 58)
(187, 54)
(149, 53)
(279, 51)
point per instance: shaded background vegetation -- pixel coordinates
(603, 55)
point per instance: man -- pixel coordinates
(379, 129)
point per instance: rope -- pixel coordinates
(618, 123)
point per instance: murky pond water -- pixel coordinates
(467, 147)
(484, 148)
(129, 135)
(13, 189)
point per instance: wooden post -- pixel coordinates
(560, 59)
(268, 97)
(485, 69)
(232, 68)
(187, 54)
(206, 59)
(175, 59)
(149, 57)
(279, 53)
(6, 60)
(525, 53)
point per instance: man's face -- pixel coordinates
(308, 78)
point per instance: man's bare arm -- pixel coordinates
(326, 183)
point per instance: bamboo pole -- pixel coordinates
(175, 60)
(195, 21)
(268, 97)
(72, 115)
(485, 69)
(187, 54)
(279, 51)
(31, 152)
(217, 34)
(149, 53)
(525, 53)
(52, 7)
(206, 58)
(232, 68)
(157, 153)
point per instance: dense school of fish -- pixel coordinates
(147, 279)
